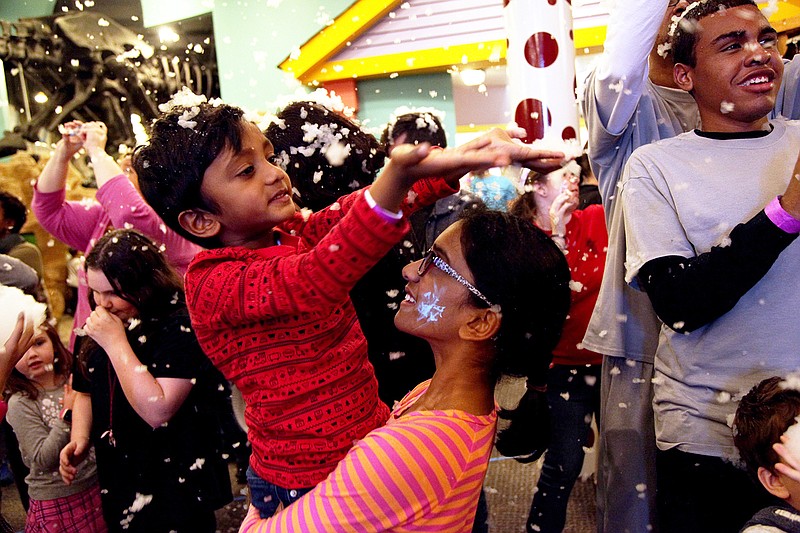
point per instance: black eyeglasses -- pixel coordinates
(431, 258)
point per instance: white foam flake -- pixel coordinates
(576, 286)
(183, 98)
(791, 381)
(726, 107)
(394, 356)
(198, 464)
(770, 9)
(14, 302)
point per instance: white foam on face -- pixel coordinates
(428, 307)
(13, 302)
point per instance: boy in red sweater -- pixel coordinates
(269, 300)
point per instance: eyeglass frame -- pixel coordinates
(432, 258)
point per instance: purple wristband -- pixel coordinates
(385, 214)
(778, 215)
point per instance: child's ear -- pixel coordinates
(540, 187)
(199, 223)
(482, 326)
(684, 76)
(773, 483)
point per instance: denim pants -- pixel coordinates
(266, 496)
(573, 396)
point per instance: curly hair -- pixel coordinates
(302, 137)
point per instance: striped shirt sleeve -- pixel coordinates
(423, 471)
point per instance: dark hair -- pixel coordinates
(62, 363)
(138, 271)
(586, 168)
(518, 267)
(13, 209)
(685, 34)
(419, 127)
(171, 166)
(319, 182)
(763, 415)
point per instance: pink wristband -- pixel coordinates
(778, 215)
(387, 215)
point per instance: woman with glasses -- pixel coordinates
(490, 298)
(572, 387)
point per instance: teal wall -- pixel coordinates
(252, 40)
(380, 97)
(14, 10)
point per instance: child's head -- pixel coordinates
(45, 361)
(129, 276)
(210, 175)
(763, 415)
(414, 128)
(326, 154)
(13, 213)
(726, 55)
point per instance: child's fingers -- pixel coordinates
(787, 471)
(785, 455)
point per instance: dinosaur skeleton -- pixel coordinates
(91, 68)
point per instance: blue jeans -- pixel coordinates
(573, 395)
(266, 496)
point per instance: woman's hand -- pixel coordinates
(105, 328)
(71, 456)
(71, 139)
(95, 136)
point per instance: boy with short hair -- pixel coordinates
(763, 416)
(269, 300)
(711, 223)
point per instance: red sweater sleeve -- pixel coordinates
(234, 285)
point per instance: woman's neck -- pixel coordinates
(460, 382)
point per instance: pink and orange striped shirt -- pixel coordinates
(422, 471)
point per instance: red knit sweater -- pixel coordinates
(279, 323)
(587, 241)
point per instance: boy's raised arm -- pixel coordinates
(622, 69)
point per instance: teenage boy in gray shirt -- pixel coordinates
(717, 265)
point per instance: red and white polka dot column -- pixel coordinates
(541, 68)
